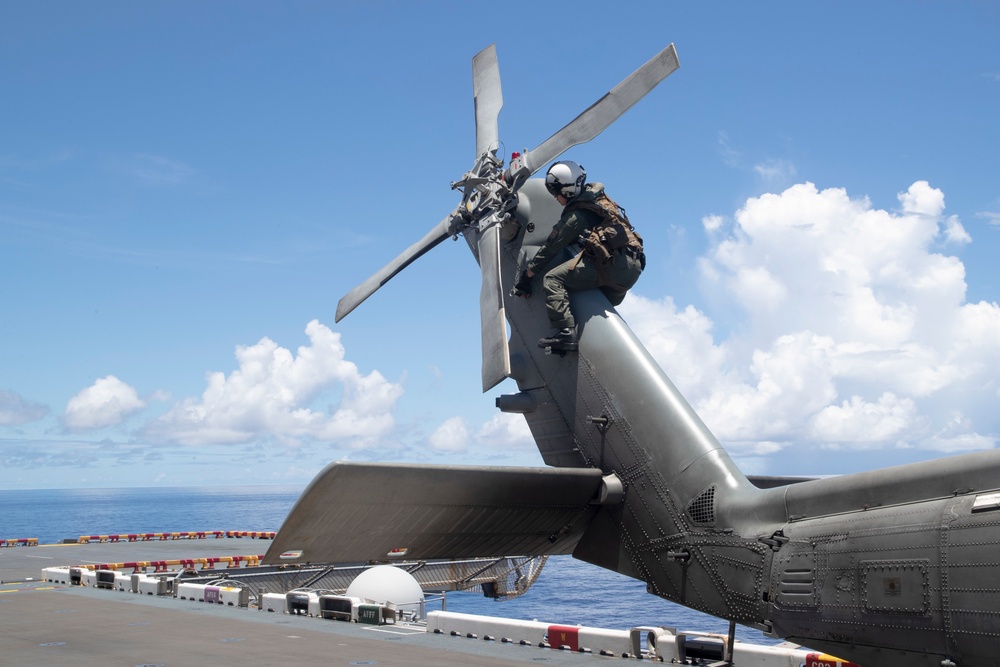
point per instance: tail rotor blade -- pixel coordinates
(488, 98)
(493, 317)
(606, 110)
(351, 300)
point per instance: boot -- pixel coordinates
(564, 340)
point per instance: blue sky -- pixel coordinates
(187, 189)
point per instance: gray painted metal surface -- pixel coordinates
(891, 567)
(357, 512)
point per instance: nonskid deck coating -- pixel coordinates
(49, 624)
(19, 563)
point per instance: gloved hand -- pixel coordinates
(522, 287)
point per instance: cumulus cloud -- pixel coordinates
(954, 232)
(712, 223)
(271, 396)
(681, 340)
(107, 402)
(860, 421)
(505, 432)
(15, 410)
(504, 435)
(451, 436)
(922, 199)
(856, 334)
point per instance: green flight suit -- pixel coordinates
(614, 278)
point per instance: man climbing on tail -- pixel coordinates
(612, 257)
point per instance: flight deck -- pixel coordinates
(48, 623)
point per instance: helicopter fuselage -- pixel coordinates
(888, 567)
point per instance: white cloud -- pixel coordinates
(775, 171)
(15, 410)
(859, 421)
(961, 443)
(270, 396)
(505, 432)
(503, 436)
(789, 382)
(922, 199)
(855, 329)
(712, 223)
(451, 436)
(756, 287)
(837, 266)
(681, 341)
(107, 402)
(954, 231)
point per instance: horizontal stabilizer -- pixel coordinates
(773, 482)
(353, 512)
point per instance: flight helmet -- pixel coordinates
(565, 178)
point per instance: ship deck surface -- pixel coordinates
(46, 624)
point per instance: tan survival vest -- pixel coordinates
(612, 234)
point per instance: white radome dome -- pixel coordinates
(387, 583)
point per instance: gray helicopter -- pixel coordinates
(899, 566)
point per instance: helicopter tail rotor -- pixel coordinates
(488, 99)
(449, 226)
(493, 320)
(489, 193)
(598, 116)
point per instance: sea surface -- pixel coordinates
(568, 591)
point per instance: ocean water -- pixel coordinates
(567, 592)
